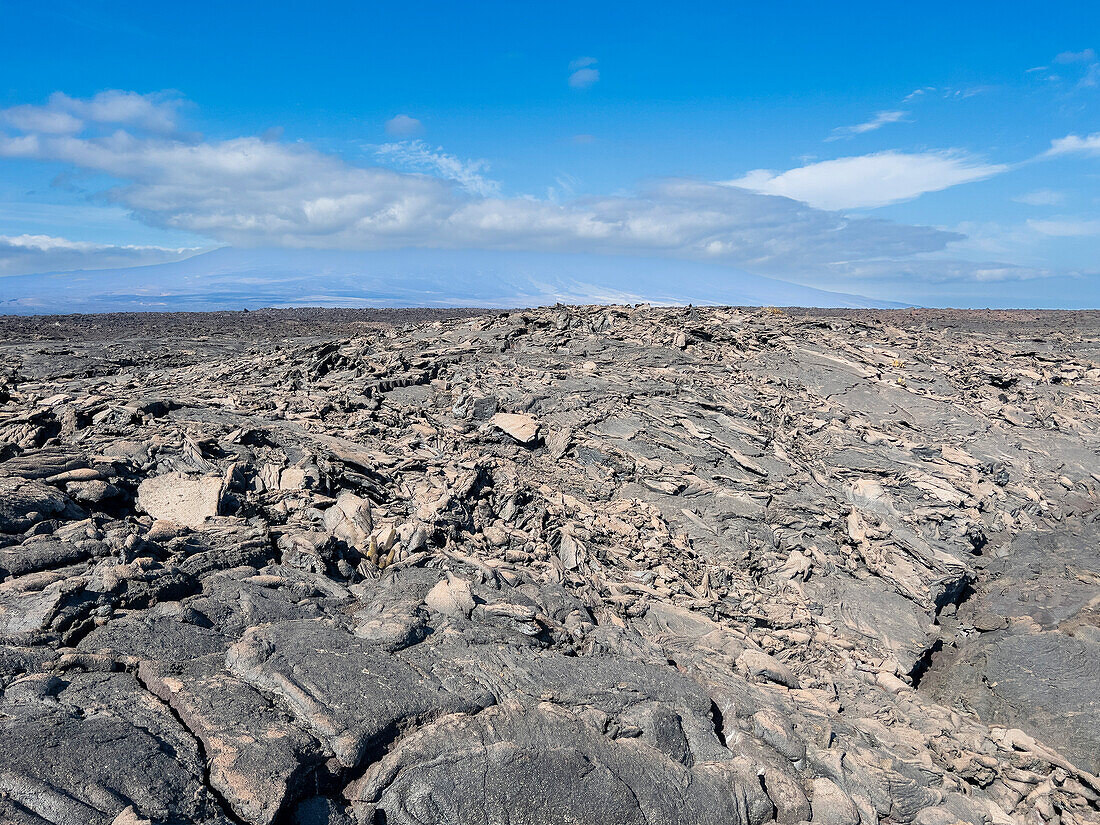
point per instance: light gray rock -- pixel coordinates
(523, 428)
(184, 499)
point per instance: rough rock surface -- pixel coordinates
(179, 498)
(574, 564)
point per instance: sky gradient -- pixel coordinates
(929, 154)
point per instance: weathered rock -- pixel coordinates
(831, 805)
(523, 428)
(24, 503)
(545, 765)
(758, 663)
(349, 694)
(259, 759)
(33, 556)
(350, 520)
(101, 746)
(451, 597)
(186, 500)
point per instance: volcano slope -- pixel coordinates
(573, 564)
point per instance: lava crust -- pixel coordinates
(570, 564)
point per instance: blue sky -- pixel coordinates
(907, 152)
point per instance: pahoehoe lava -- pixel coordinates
(598, 564)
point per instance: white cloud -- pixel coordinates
(42, 119)
(418, 156)
(62, 114)
(930, 270)
(582, 75)
(1041, 197)
(253, 192)
(869, 180)
(1074, 144)
(1083, 56)
(403, 126)
(25, 254)
(1066, 227)
(249, 192)
(1086, 58)
(877, 122)
(950, 92)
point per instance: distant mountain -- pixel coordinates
(230, 278)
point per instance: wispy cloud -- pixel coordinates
(1075, 145)
(1066, 227)
(877, 122)
(946, 92)
(582, 74)
(1083, 67)
(1041, 197)
(1083, 56)
(916, 98)
(566, 187)
(403, 126)
(1087, 57)
(871, 180)
(418, 156)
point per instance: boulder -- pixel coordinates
(183, 499)
(523, 428)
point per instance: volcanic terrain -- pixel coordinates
(605, 564)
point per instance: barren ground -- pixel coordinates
(570, 564)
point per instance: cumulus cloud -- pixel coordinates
(869, 180)
(877, 122)
(403, 126)
(418, 156)
(249, 192)
(253, 192)
(61, 114)
(25, 254)
(1075, 144)
(582, 74)
(42, 119)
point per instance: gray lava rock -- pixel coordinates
(712, 565)
(24, 503)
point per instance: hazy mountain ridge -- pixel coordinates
(229, 278)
